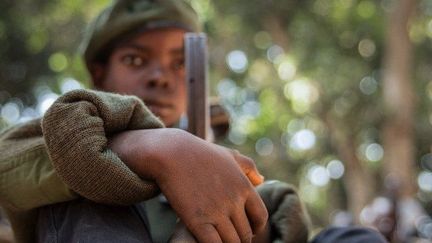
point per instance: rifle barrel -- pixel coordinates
(196, 77)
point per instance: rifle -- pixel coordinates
(198, 115)
(197, 83)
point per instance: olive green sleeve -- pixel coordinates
(69, 156)
(27, 177)
(76, 129)
(288, 218)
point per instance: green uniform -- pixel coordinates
(72, 138)
(65, 155)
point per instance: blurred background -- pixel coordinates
(334, 96)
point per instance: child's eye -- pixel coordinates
(132, 60)
(178, 64)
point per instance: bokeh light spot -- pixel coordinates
(374, 152)
(335, 169)
(424, 181)
(10, 112)
(58, 62)
(45, 102)
(262, 40)
(70, 84)
(368, 85)
(274, 53)
(264, 146)
(366, 9)
(287, 70)
(429, 29)
(303, 140)
(366, 48)
(318, 176)
(237, 137)
(237, 61)
(251, 108)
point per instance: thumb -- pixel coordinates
(249, 168)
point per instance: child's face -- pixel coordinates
(151, 66)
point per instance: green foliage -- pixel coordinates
(327, 66)
(306, 62)
(41, 49)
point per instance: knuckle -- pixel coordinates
(246, 237)
(263, 222)
(248, 162)
(235, 153)
(265, 216)
(261, 219)
(200, 228)
(263, 212)
(235, 239)
(244, 160)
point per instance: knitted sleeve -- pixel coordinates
(76, 130)
(288, 219)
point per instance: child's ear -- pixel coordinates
(97, 72)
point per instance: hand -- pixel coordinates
(209, 186)
(181, 235)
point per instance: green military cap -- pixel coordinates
(124, 17)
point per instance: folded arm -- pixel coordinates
(76, 130)
(66, 154)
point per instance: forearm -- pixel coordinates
(143, 150)
(132, 149)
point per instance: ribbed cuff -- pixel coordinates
(75, 130)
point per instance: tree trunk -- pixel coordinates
(357, 181)
(277, 31)
(399, 101)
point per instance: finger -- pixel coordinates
(227, 232)
(256, 213)
(206, 233)
(242, 226)
(181, 235)
(248, 167)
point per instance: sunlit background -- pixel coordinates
(303, 82)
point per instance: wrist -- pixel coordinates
(149, 152)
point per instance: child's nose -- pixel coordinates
(158, 78)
